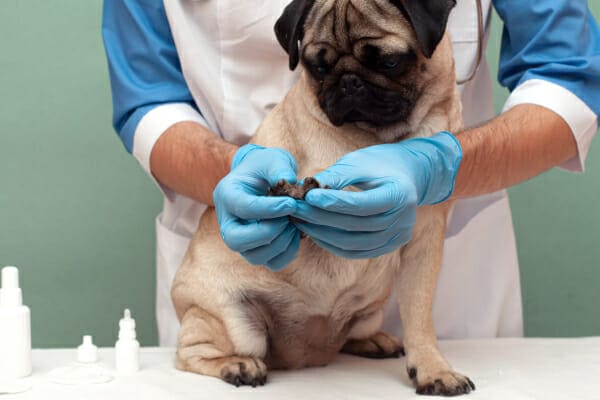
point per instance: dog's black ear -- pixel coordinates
(428, 19)
(290, 28)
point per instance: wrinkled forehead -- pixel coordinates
(341, 23)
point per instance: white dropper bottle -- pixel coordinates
(15, 328)
(87, 352)
(127, 348)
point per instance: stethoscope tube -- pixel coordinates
(480, 33)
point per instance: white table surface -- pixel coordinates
(504, 369)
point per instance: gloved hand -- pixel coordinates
(394, 179)
(251, 223)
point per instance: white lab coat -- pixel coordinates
(237, 72)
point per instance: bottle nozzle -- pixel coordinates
(127, 314)
(10, 278)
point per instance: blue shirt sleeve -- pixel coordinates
(552, 40)
(144, 66)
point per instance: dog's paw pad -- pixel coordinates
(444, 383)
(245, 372)
(309, 184)
(281, 188)
(298, 192)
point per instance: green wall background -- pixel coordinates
(76, 211)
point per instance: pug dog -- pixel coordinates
(239, 320)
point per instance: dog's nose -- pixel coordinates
(350, 84)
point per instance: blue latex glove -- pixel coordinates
(251, 223)
(394, 180)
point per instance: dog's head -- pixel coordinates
(367, 60)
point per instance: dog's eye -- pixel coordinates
(322, 70)
(397, 63)
(390, 64)
(320, 60)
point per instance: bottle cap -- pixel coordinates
(87, 353)
(10, 292)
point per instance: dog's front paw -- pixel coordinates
(248, 371)
(440, 383)
(298, 192)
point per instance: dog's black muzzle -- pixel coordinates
(353, 99)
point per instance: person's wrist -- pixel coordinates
(449, 157)
(230, 154)
(437, 160)
(452, 146)
(242, 152)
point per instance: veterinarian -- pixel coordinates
(192, 80)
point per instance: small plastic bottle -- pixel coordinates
(87, 353)
(15, 328)
(127, 348)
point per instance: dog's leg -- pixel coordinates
(418, 273)
(205, 348)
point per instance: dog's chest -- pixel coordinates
(332, 295)
(336, 287)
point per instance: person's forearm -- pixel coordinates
(515, 146)
(191, 160)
